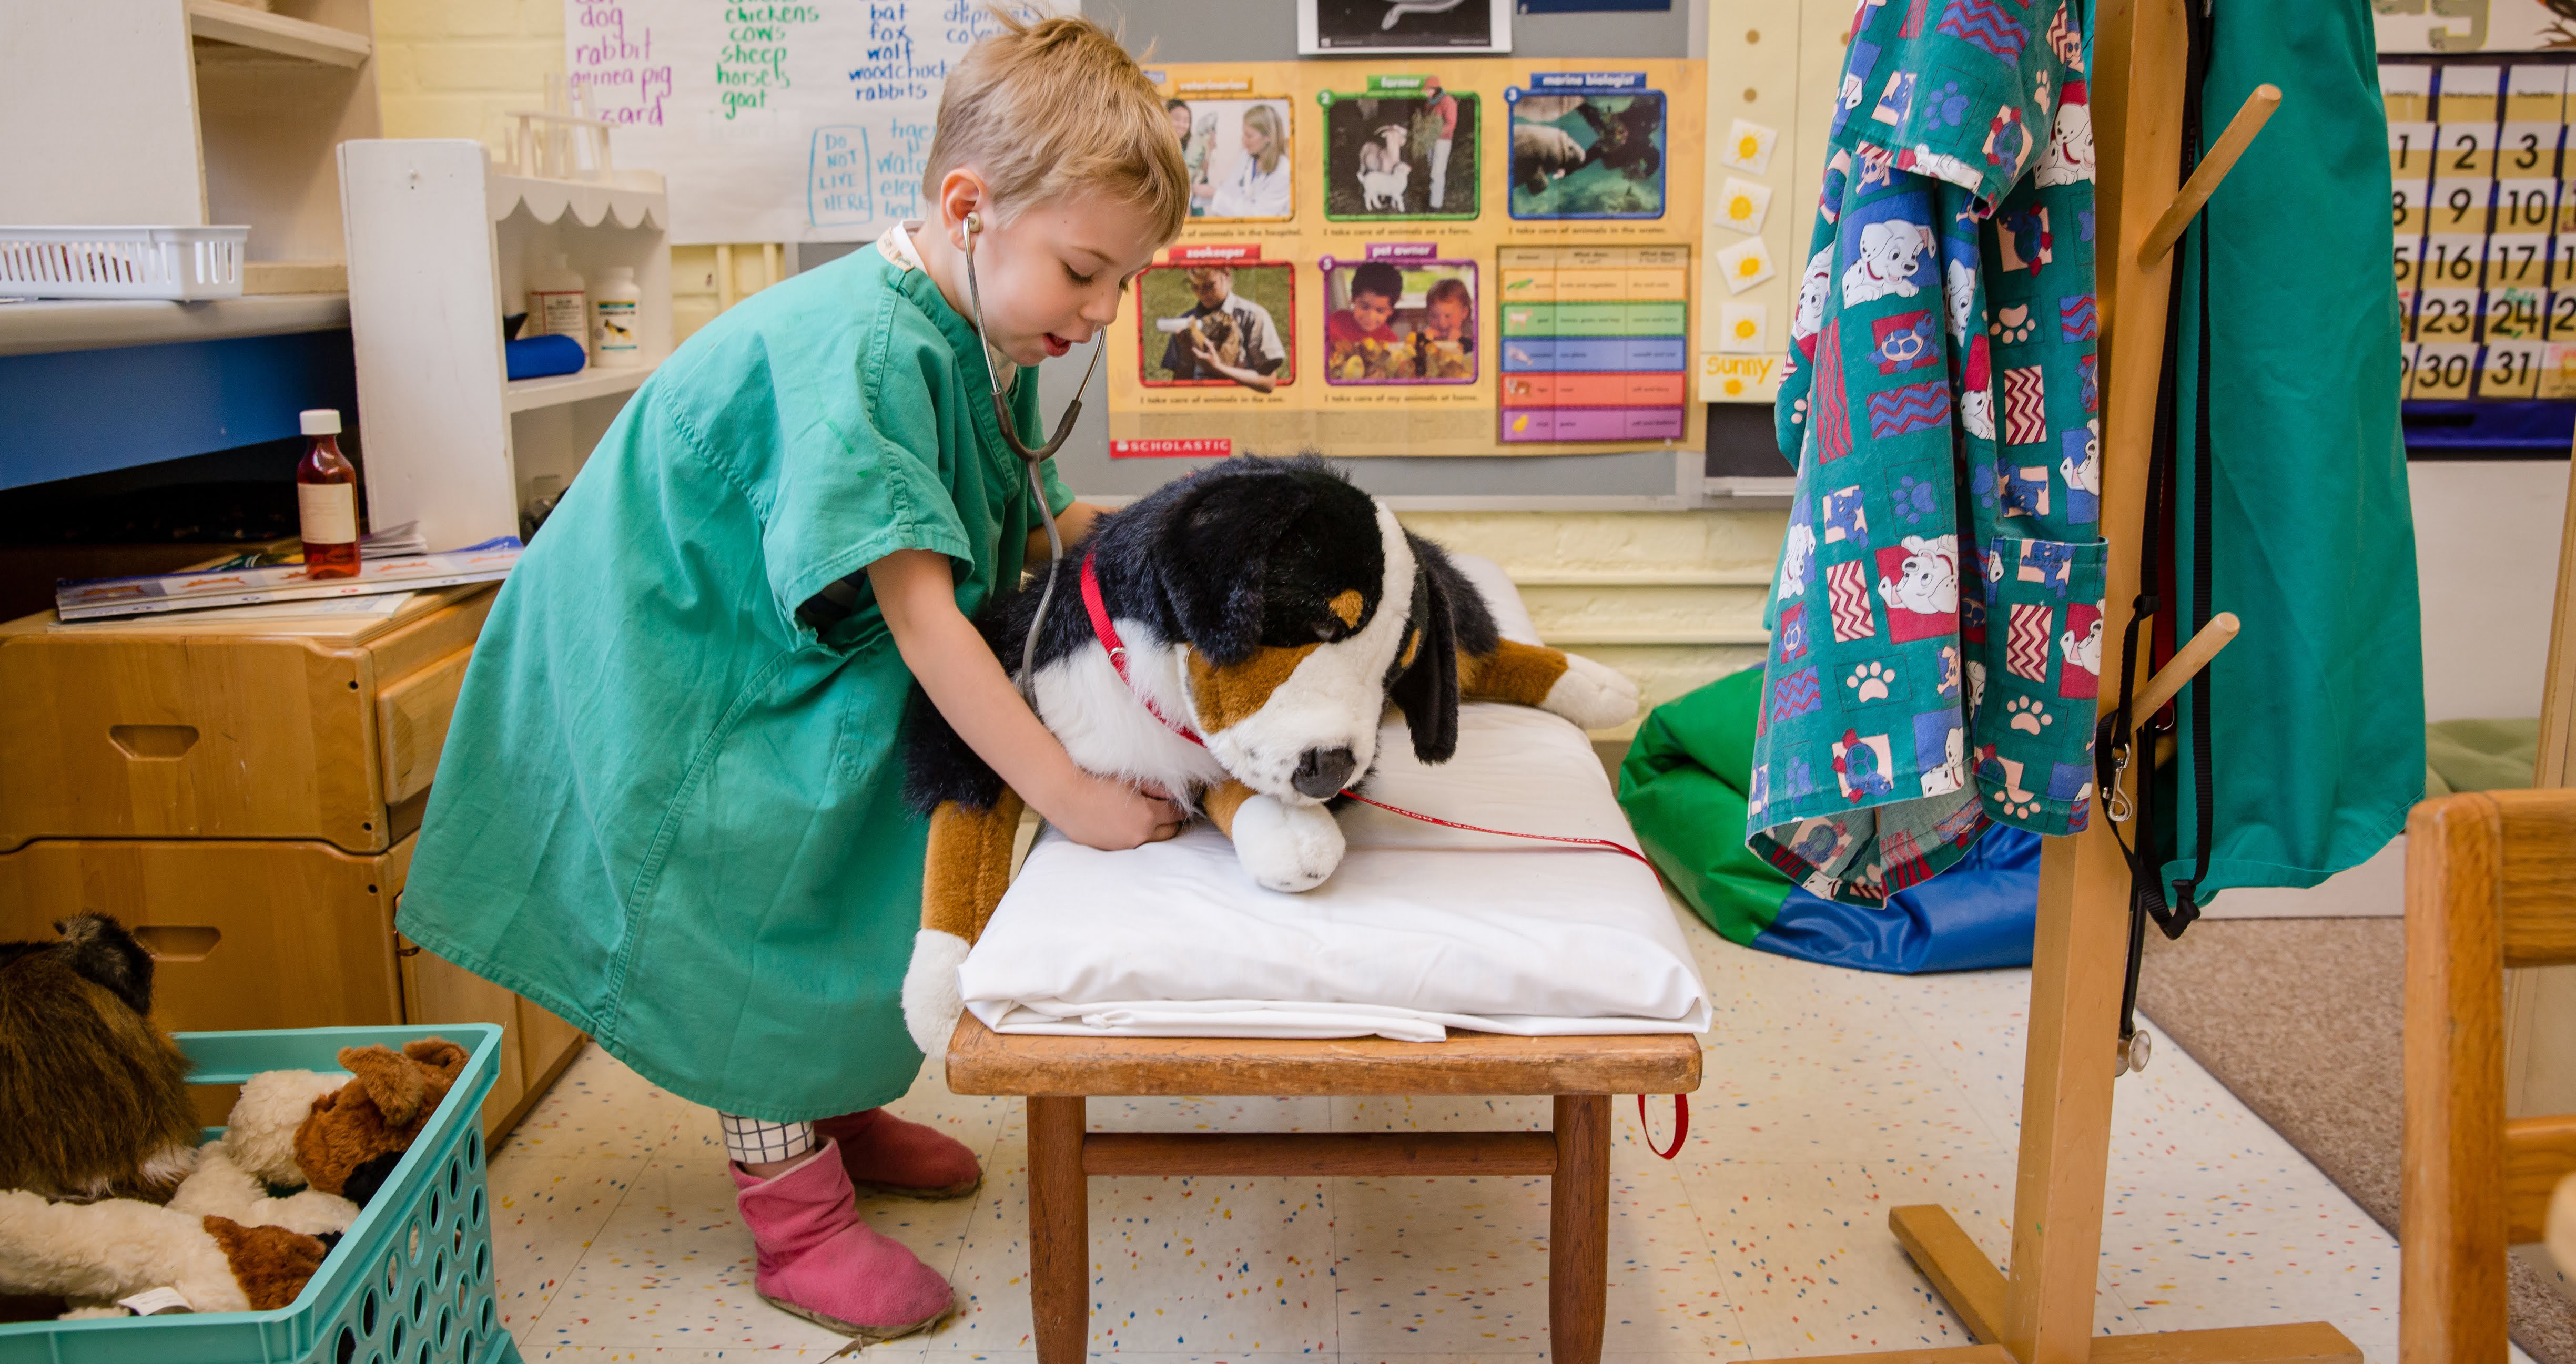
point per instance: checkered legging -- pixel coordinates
(752, 1141)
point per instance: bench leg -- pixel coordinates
(1578, 1229)
(1059, 1229)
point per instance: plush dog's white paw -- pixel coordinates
(931, 999)
(1591, 695)
(1286, 847)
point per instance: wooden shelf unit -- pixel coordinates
(440, 248)
(221, 21)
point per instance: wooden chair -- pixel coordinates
(2490, 883)
(1057, 1074)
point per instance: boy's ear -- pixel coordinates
(1213, 553)
(1426, 685)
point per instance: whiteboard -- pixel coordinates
(773, 120)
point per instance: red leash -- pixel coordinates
(1106, 632)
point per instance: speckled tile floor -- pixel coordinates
(1831, 1096)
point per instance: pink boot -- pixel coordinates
(820, 1262)
(885, 1154)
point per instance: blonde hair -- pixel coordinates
(1260, 116)
(1045, 108)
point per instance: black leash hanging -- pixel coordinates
(2123, 739)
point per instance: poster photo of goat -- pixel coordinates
(1589, 155)
(1400, 155)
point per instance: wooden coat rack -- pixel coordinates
(2042, 1312)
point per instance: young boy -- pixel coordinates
(669, 806)
(1189, 358)
(1358, 343)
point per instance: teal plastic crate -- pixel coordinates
(411, 1281)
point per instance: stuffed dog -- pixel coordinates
(1272, 611)
(96, 1097)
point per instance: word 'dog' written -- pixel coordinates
(615, 66)
(862, 173)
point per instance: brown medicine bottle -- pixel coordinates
(326, 495)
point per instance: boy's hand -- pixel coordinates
(1112, 816)
(917, 593)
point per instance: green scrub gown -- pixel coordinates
(667, 810)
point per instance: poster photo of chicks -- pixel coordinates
(1238, 154)
(1588, 153)
(1217, 325)
(1404, 148)
(1399, 321)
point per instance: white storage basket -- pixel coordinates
(184, 263)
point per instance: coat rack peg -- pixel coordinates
(2213, 168)
(2186, 663)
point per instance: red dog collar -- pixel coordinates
(1106, 632)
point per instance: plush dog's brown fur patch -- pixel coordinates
(271, 1264)
(90, 1088)
(969, 865)
(1519, 673)
(383, 1107)
(1222, 696)
(1221, 801)
(1348, 606)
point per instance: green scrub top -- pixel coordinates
(668, 811)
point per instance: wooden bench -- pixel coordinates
(1058, 1074)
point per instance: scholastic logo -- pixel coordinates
(1193, 447)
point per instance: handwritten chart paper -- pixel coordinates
(773, 121)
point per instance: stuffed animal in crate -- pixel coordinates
(96, 1097)
(225, 1241)
(1234, 638)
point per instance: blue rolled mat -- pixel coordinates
(541, 357)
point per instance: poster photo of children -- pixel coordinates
(1237, 152)
(1217, 326)
(1589, 155)
(1399, 322)
(1399, 153)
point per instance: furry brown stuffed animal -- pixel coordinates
(357, 1133)
(97, 1096)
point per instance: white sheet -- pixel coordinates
(1421, 929)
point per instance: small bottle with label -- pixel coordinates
(326, 494)
(615, 343)
(558, 300)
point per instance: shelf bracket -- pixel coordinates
(2249, 120)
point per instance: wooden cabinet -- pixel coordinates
(246, 796)
(161, 728)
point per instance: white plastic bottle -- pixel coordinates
(560, 302)
(614, 343)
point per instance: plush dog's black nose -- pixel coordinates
(1322, 772)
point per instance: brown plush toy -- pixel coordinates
(357, 1133)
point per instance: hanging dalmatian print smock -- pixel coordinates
(1943, 392)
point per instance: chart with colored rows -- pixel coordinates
(2485, 231)
(1593, 342)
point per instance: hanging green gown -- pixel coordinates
(2316, 734)
(667, 810)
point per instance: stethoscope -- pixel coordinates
(1029, 459)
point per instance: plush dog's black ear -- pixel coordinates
(1214, 551)
(1426, 685)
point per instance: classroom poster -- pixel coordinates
(772, 121)
(1421, 256)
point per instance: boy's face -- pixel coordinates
(1052, 276)
(1213, 287)
(1371, 310)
